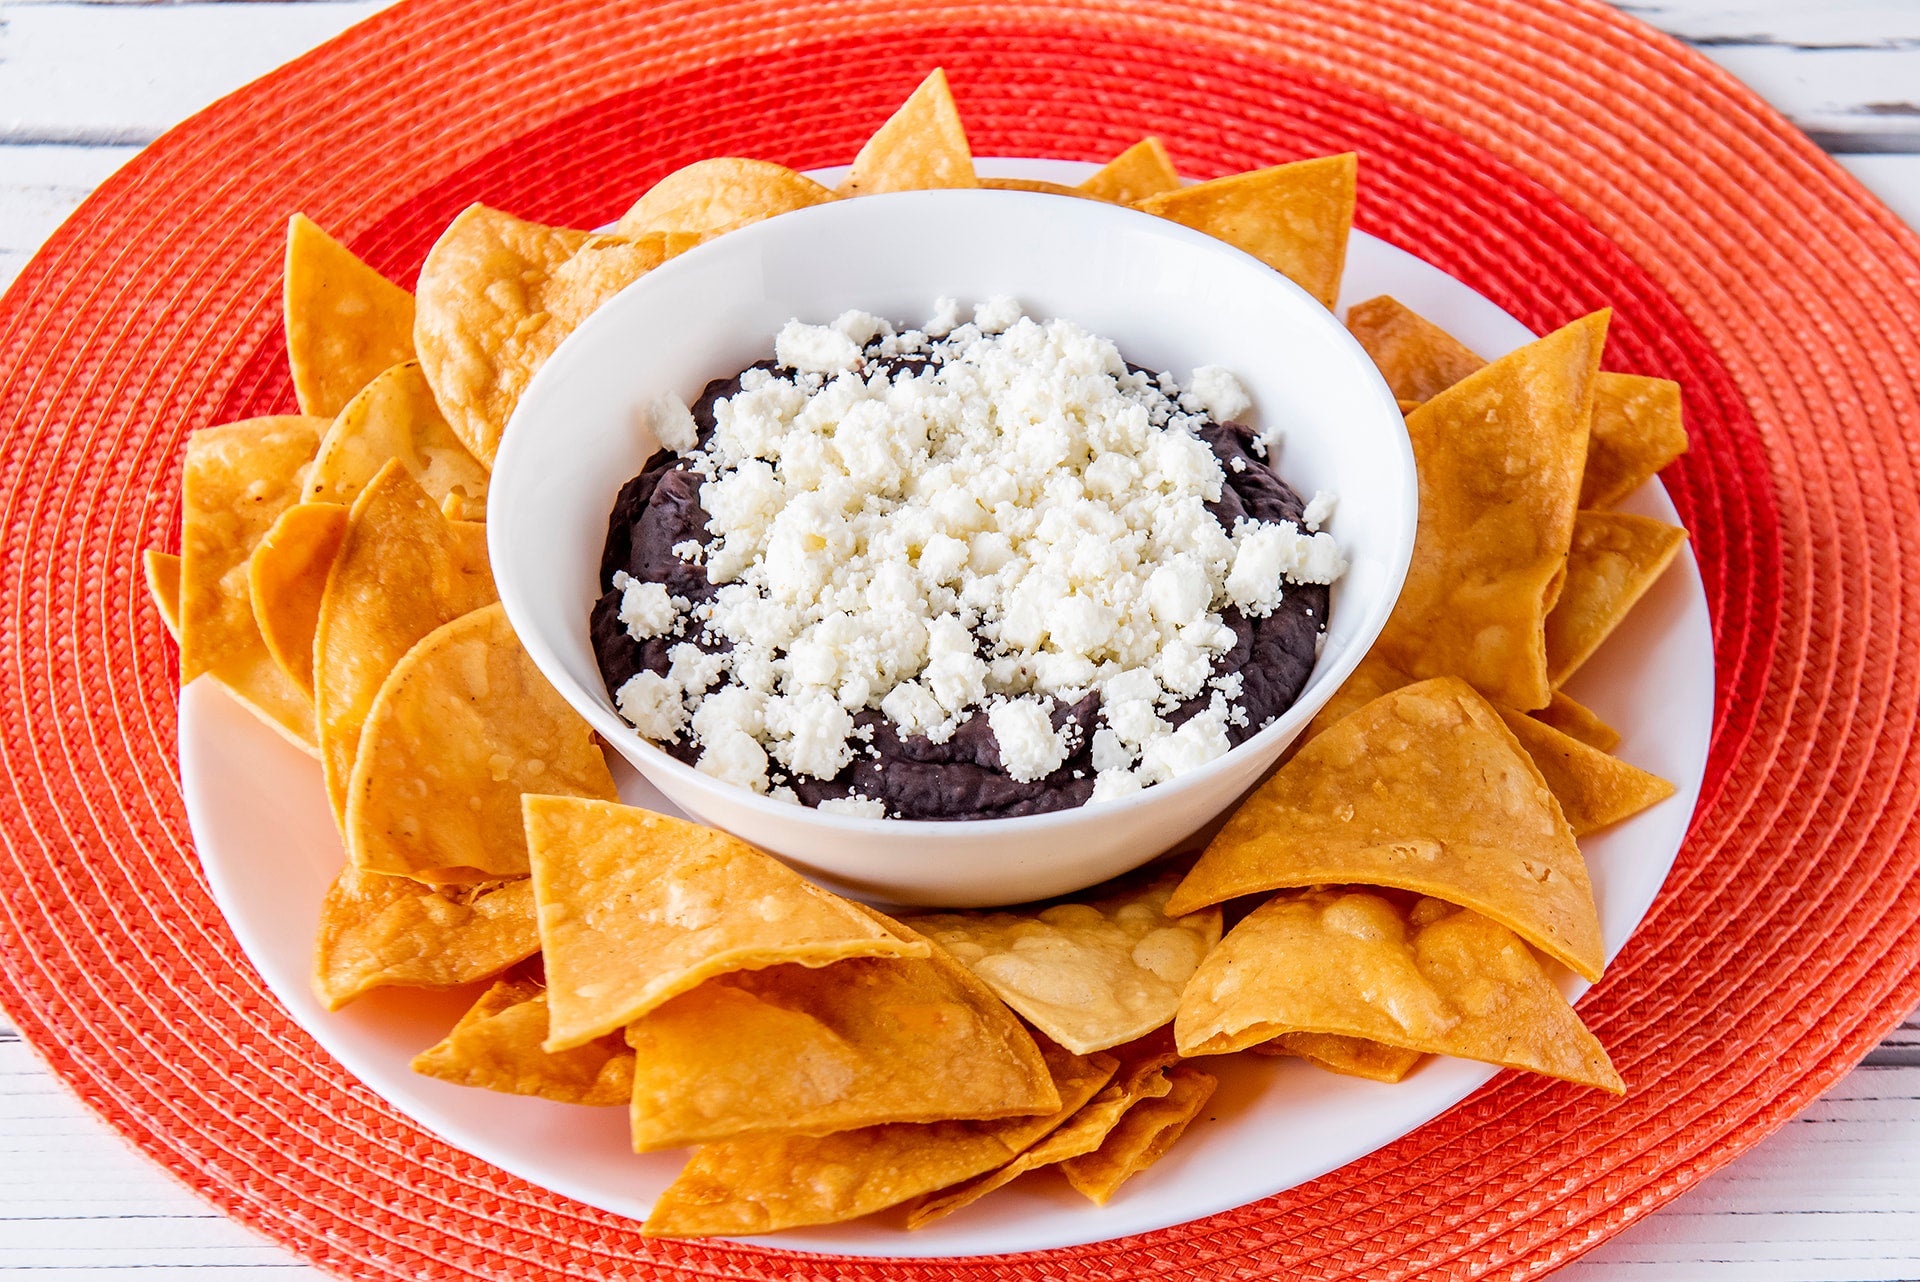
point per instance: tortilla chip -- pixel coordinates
(1088, 974)
(1418, 359)
(1140, 171)
(1614, 560)
(758, 1185)
(163, 585)
(1500, 456)
(496, 1047)
(395, 417)
(1143, 1136)
(1042, 186)
(1425, 790)
(1593, 789)
(637, 908)
(1082, 1133)
(800, 1050)
(1579, 721)
(286, 577)
(345, 321)
(1294, 218)
(1429, 977)
(720, 194)
(497, 296)
(1348, 1056)
(463, 727)
(237, 481)
(378, 931)
(1406, 406)
(922, 145)
(402, 571)
(1637, 430)
(1372, 678)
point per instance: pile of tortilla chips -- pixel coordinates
(824, 1061)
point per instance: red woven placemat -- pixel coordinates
(1556, 156)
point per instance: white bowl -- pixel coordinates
(1170, 297)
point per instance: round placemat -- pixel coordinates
(1556, 156)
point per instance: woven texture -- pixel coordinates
(1556, 156)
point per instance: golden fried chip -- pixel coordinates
(1042, 186)
(496, 1047)
(757, 1185)
(1593, 789)
(286, 577)
(1372, 678)
(1637, 430)
(803, 1050)
(1143, 1136)
(396, 417)
(498, 294)
(402, 571)
(1294, 218)
(1499, 455)
(1140, 171)
(163, 585)
(922, 145)
(1082, 1133)
(378, 931)
(461, 729)
(636, 908)
(237, 481)
(1431, 977)
(1348, 1056)
(1089, 975)
(1614, 560)
(1418, 359)
(720, 194)
(345, 321)
(1576, 719)
(1426, 790)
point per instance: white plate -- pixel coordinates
(267, 842)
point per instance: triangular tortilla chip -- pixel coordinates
(395, 417)
(1593, 789)
(1294, 218)
(1614, 559)
(1140, 171)
(378, 931)
(1432, 977)
(1372, 678)
(800, 1050)
(1080, 1134)
(286, 577)
(1418, 359)
(1576, 719)
(237, 480)
(345, 321)
(1637, 430)
(163, 585)
(720, 194)
(637, 908)
(1425, 790)
(1348, 1056)
(1041, 185)
(498, 294)
(759, 1185)
(402, 571)
(496, 1047)
(922, 145)
(1142, 1137)
(1092, 973)
(462, 728)
(1500, 456)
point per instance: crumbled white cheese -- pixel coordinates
(646, 609)
(672, 423)
(856, 805)
(1010, 521)
(652, 705)
(1319, 509)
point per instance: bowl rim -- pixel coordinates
(650, 759)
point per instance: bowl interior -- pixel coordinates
(1171, 298)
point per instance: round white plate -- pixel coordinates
(267, 842)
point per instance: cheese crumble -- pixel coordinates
(994, 517)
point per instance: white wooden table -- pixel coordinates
(1834, 1197)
